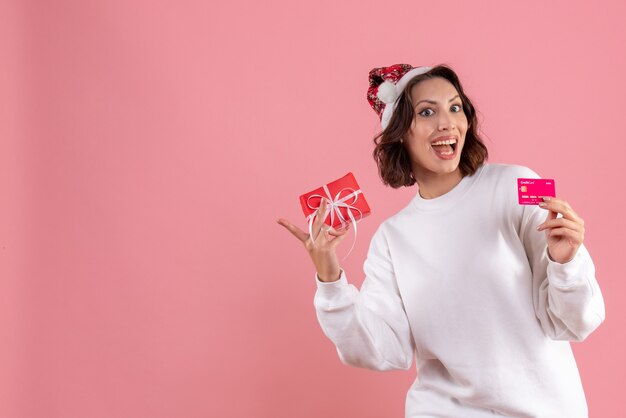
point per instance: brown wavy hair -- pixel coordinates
(390, 154)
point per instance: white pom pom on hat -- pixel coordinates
(387, 92)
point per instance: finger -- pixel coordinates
(561, 206)
(337, 240)
(560, 222)
(319, 220)
(339, 231)
(550, 216)
(574, 237)
(297, 232)
(346, 226)
(323, 237)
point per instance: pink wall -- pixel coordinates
(147, 148)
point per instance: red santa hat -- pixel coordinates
(385, 86)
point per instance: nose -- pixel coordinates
(446, 121)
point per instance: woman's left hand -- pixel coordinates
(564, 235)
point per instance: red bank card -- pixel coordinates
(531, 191)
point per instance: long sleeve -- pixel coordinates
(566, 297)
(463, 283)
(369, 327)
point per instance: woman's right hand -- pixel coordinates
(320, 246)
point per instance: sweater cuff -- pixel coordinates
(570, 273)
(330, 289)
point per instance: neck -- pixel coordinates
(432, 185)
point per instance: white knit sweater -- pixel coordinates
(463, 281)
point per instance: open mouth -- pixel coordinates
(445, 147)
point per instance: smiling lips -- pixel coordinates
(445, 147)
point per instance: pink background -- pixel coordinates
(147, 148)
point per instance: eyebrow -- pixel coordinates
(432, 102)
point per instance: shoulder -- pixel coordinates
(501, 170)
(397, 221)
(503, 187)
(496, 176)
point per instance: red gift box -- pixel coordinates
(346, 202)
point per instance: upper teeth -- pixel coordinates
(446, 142)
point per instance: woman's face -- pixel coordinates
(438, 116)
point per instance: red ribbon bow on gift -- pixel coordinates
(333, 208)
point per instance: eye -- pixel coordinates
(460, 109)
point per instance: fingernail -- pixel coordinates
(543, 205)
(546, 198)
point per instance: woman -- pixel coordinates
(487, 293)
